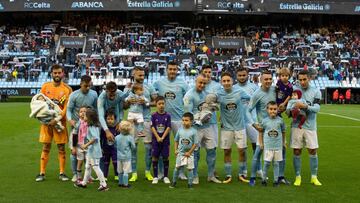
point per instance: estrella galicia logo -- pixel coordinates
(273, 133)
(86, 4)
(357, 9)
(231, 106)
(1, 7)
(170, 95)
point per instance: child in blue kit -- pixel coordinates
(272, 141)
(108, 148)
(185, 144)
(124, 143)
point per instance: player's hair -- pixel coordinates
(56, 67)
(172, 63)
(85, 106)
(225, 74)
(136, 87)
(242, 69)
(92, 118)
(188, 115)
(304, 72)
(205, 66)
(284, 71)
(111, 86)
(85, 78)
(265, 71)
(159, 98)
(137, 68)
(270, 103)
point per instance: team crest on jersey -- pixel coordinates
(185, 142)
(231, 106)
(273, 133)
(281, 94)
(160, 128)
(170, 95)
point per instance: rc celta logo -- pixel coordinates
(84, 4)
(37, 5)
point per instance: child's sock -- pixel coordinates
(155, 168)
(78, 174)
(190, 177)
(166, 167)
(147, 157)
(134, 159)
(100, 175)
(282, 163)
(266, 168)
(126, 179)
(61, 157)
(210, 160)
(175, 175)
(276, 170)
(121, 178)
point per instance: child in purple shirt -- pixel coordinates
(160, 128)
(283, 89)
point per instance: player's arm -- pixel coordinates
(176, 145)
(188, 103)
(63, 113)
(101, 112)
(70, 109)
(282, 106)
(153, 130)
(92, 141)
(252, 105)
(283, 133)
(261, 140)
(315, 107)
(94, 105)
(168, 128)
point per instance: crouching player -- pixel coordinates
(272, 139)
(185, 144)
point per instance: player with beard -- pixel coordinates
(58, 92)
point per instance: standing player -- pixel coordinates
(173, 90)
(111, 98)
(149, 94)
(207, 132)
(58, 92)
(233, 114)
(79, 98)
(242, 75)
(307, 134)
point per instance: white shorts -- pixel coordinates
(137, 117)
(124, 166)
(229, 137)
(207, 136)
(299, 137)
(175, 126)
(80, 154)
(185, 161)
(93, 162)
(147, 133)
(251, 133)
(272, 155)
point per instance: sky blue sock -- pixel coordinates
(134, 159)
(210, 160)
(266, 168)
(121, 178)
(276, 165)
(314, 164)
(255, 163)
(190, 177)
(282, 163)
(147, 157)
(242, 168)
(73, 163)
(196, 162)
(228, 169)
(245, 164)
(126, 179)
(297, 164)
(175, 175)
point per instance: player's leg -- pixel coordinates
(99, 173)
(155, 168)
(311, 143)
(282, 165)
(134, 162)
(62, 159)
(73, 160)
(255, 163)
(252, 134)
(120, 172)
(265, 171)
(105, 160)
(114, 162)
(276, 173)
(87, 173)
(126, 170)
(196, 165)
(226, 140)
(165, 152)
(210, 145)
(240, 141)
(147, 143)
(175, 125)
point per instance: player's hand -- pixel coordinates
(176, 152)
(187, 154)
(118, 127)
(261, 146)
(132, 101)
(83, 147)
(72, 123)
(109, 136)
(257, 127)
(141, 101)
(282, 107)
(159, 139)
(73, 151)
(52, 122)
(300, 105)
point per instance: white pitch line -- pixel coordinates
(340, 116)
(337, 126)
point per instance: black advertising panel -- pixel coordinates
(324, 7)
(232, 6)
(228, 43)
(72, 42)
(19, 91)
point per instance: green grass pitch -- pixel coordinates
(339, 163)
